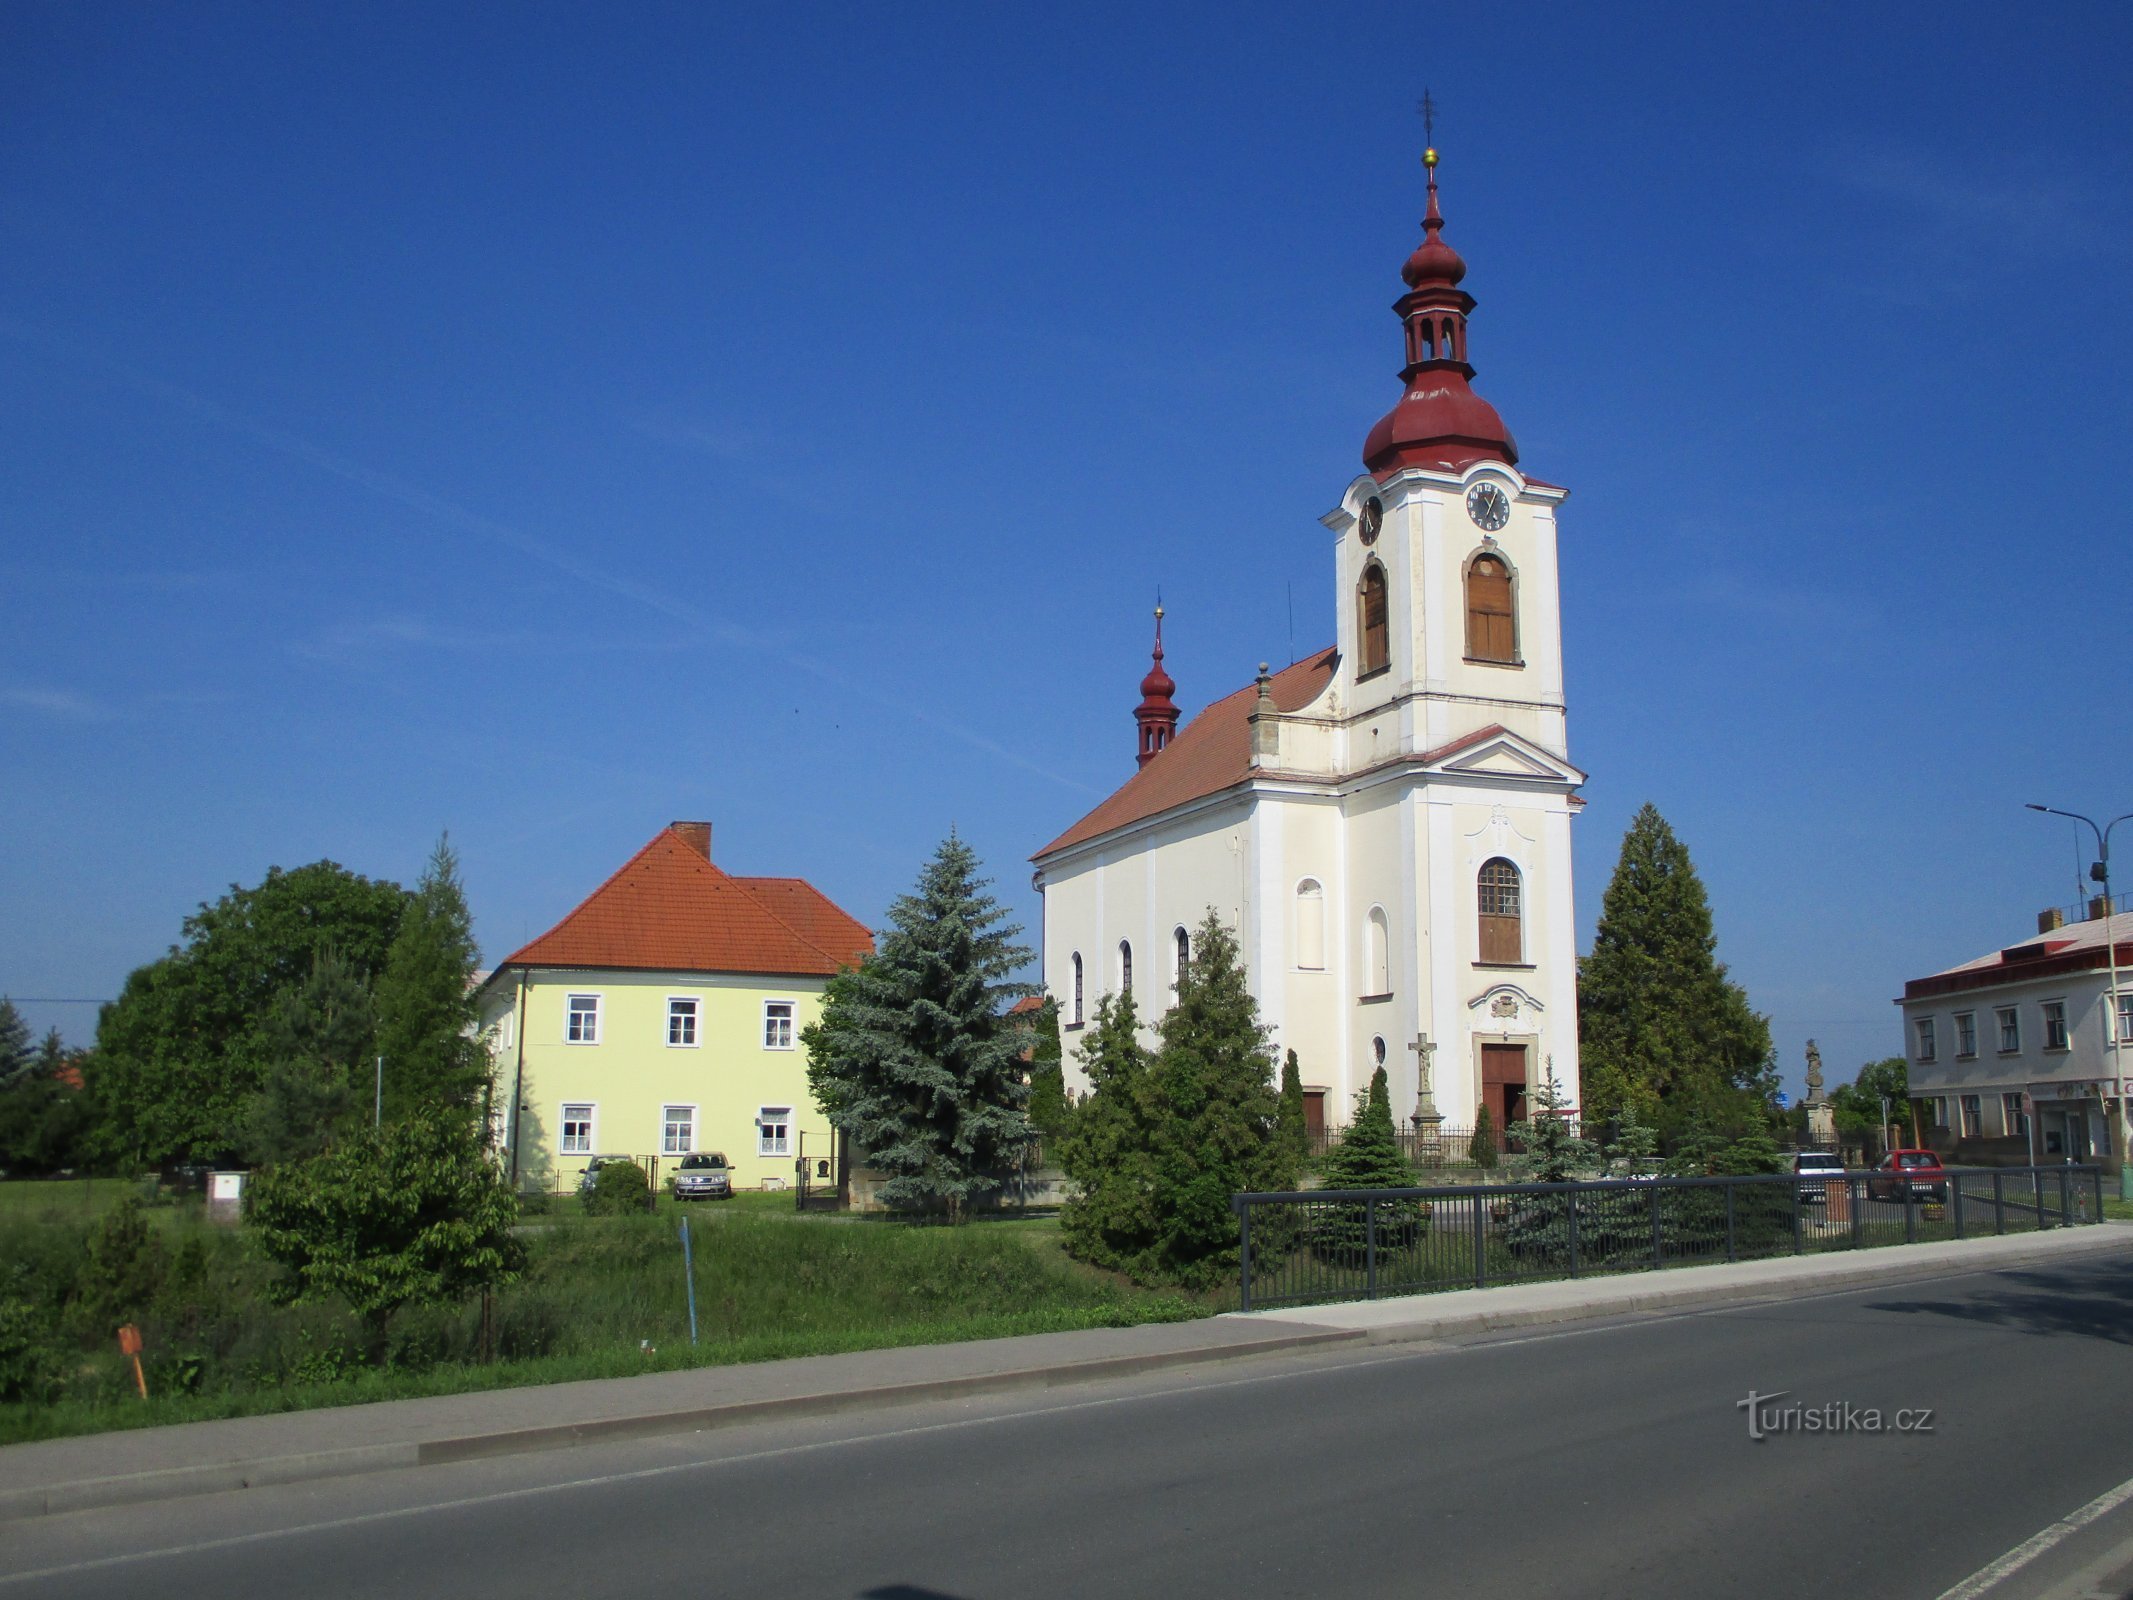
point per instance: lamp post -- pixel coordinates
(2113, 1056)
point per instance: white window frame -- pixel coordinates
(695, 1014)
(784, 1011)
(571, 1013)
(1965, 1035)
(1928, 1039)
(1939, 1103)
(766, 1118)
(590, 1137)
(2014, 1115)
(2055, 1015)
(2125, 1017)
(1970, 1112)
(666, 1122)
(2008, 1019)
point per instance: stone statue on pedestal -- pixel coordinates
(1821, 1119)
(1427, 1118)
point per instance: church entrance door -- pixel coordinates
(1503, 1084)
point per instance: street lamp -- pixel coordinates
(2100, 872)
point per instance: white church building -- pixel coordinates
(1387, 823)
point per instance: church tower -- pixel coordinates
(1387, 822)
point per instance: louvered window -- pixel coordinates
(1502, 940)
(1373, 631)
(1491, 626)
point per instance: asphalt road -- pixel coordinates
(1604, 1460)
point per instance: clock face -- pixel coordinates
(1373, 518)
(1488, 506)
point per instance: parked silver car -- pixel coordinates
(703, 1175)
(1815, 1169)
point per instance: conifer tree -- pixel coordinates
(1109, 1220)
(1481, 1143)
(1658, 1019)
(1049, 1112)
(1295, 1136)
(1213, 1113)
(425, 999)
(313, 1039)
(1554, 1154)
(16, 1057)
(1368, 1155)
(915, 1057)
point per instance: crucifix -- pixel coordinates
(1427, 1116)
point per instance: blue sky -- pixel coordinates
(543, 422)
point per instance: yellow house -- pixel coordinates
(663, 1016)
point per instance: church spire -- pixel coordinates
(1439, 422)
(1156, 715)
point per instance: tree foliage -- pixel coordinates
(915, 1057)
(180, 1052)
(1661, 1024)
(16, 1056)
(1109, 1219)
(1856, 1106)
(426, 1022)
(618, 1188)
(1049, 1112)
(1368, 1155)
(1481, 1143)
(46, 1118)
(314, 1037)
(1554, 1151)
(1290, 1126)
(413, 1213)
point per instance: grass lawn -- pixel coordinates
(602, 1297)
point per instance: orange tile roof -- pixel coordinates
(668, 909)
(1211, 753)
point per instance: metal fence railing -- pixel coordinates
(1352, 1244)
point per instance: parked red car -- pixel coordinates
(1912, 1172)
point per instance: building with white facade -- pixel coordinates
(1386, 823)
(2018, 1045)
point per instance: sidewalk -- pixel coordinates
(209, 1457)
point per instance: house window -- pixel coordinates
(773, 1131)
(1502, 938)
(2014, 1116)
(577, 1130)
(581, 1023)
(1311, 925)
(1491, 625)
(1077, 989)
(1925, 1038)
(777, 1024)
(1373, 631)
(1182, 942)
(1377, 946)
(1966, 1033)
(681, 1022)
(2125, 1019)
(2055, 1024)
(1973, 1119)
(677, 1130)
(1938, 1109)
(1125, 967)
(2010, 1029)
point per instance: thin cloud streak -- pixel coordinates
(398, 490)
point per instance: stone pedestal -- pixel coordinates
(1821, 1125)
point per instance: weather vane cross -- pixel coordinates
(1429, 120)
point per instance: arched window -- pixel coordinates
(1310, 925)
(1491, 624)
(1377, 951)
(1125, 967)
(1076, 1015)
(1372, 632)
(1502, 939)
(1182, 942)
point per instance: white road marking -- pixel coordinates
(1990, 1577)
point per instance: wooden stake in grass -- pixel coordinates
(130, 1346)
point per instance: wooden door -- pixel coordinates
(1503, 1083)
(1315, 1114)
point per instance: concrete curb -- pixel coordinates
(1640, 1294)
(218, 1477)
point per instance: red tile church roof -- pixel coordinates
(668, 909)
(1211, 753)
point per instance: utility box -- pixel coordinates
(225, 1195)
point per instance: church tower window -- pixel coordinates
(1377, 942)
(1502, 936)
(1491, 623)
(1373, 633)
(1183, 941)
(1076, 1017)
(1125, 967)
(1311, 925)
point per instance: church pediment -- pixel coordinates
(1499, 753)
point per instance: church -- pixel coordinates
(1386, 823)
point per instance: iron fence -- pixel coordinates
(1355, 1244)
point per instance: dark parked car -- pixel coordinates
(703, 1175)
(1816, 1170)
(1904, 1173)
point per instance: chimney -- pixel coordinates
(696, 835)
(2051, 921)
(2099, 908)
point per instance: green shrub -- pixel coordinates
(121, 1270)
(1368, 1157)
(29, 1370)
(1481, 1148)
(618, 1187)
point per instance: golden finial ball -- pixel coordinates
(1429, 158)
